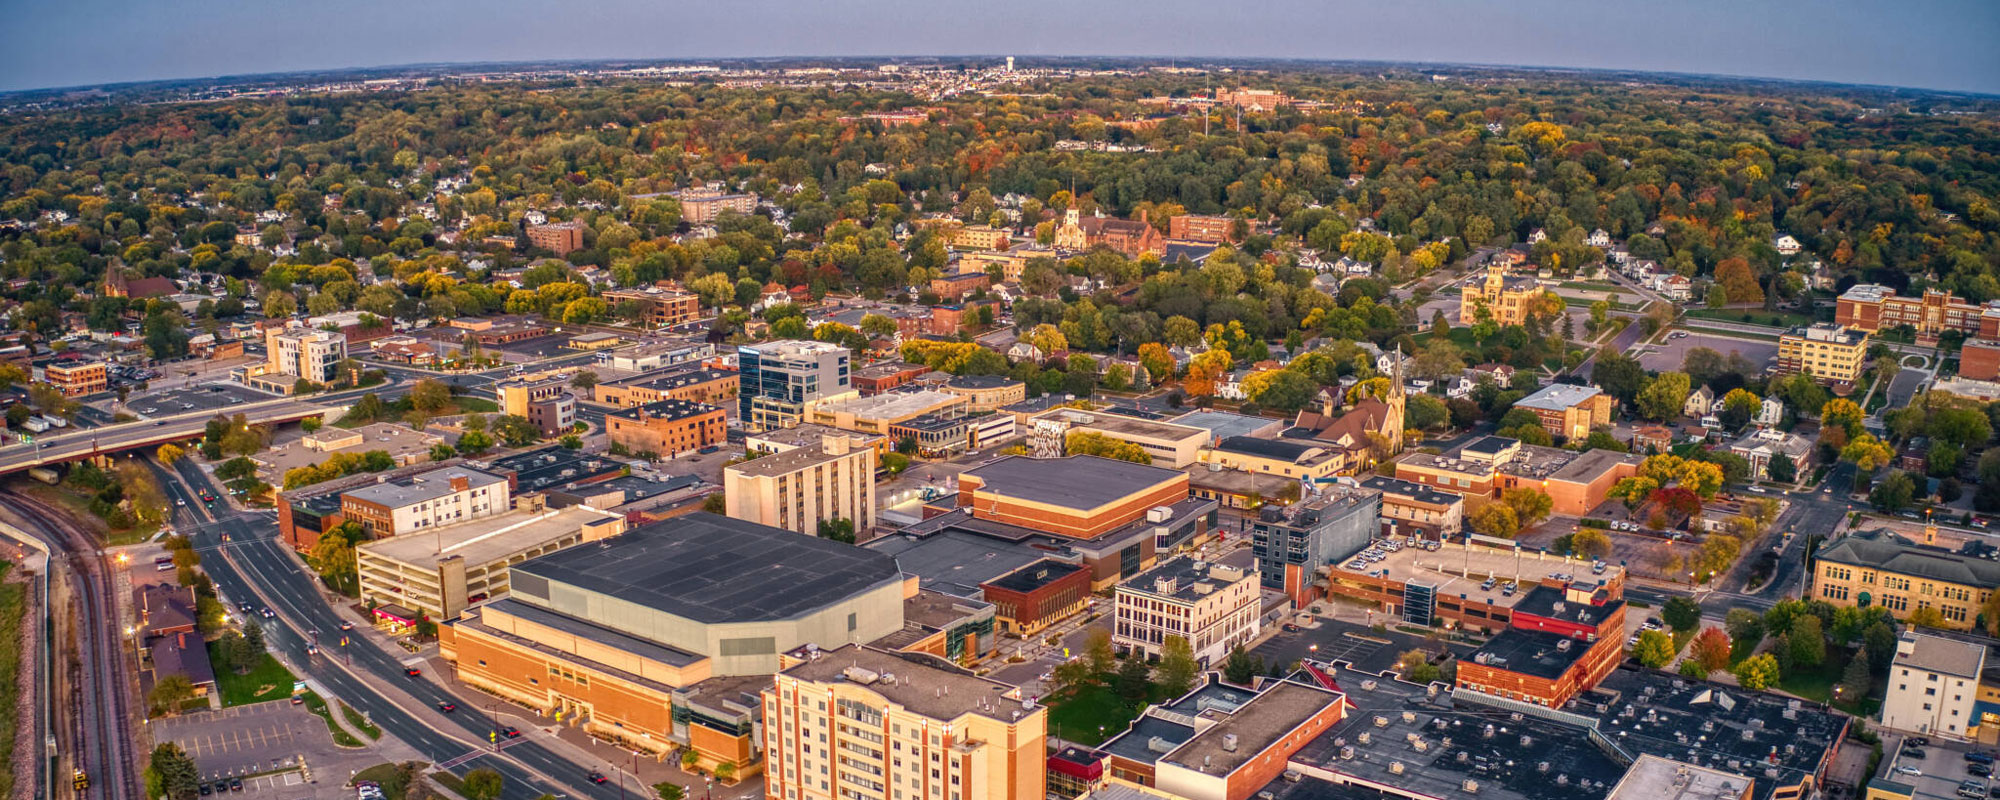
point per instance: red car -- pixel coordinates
(511, 732)
(597, 777)
(447, 707)
(414, 672)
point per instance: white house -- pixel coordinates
(1787, 245)
(535, 218)
(1024, 351)
(1462, 386)
(1599, 238)
(1771, 412)
(1538, 236)
(1677, 288)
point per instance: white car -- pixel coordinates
(1905, 769)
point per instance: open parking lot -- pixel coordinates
(206, 397)
(246, 740)
(1668, 355)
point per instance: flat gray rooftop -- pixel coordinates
(713, 569)
(1078, 482)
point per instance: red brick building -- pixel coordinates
(1979, 359)
(560, 238)
(1562, 641)
(1200, 228)
(1079, 497)
(881, 377)
(1038, 595)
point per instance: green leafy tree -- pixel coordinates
(1133, 680)
(1758, 672)
(839, 529)
(1680, 613)
(1806, 642)
(1178, 669)
(482, 784)
(430, 396)
(1654, 649)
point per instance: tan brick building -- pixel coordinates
(799, 488)
(696, 385)
(1569, 412)
(659, 306)
(1831, 354)
(667, 428)
(1509, 299)
(561, 238)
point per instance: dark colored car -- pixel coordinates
(235, 784)
(511, 732)
(447, 707)
(1979, 758)
(597, 777)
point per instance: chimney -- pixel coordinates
(460, 483)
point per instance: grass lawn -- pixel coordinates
(1776, 319)
(1461, 335)
(1817, 683)
(389, 776)
(1578, 302)
(358, 722)
(269, 681)
(1595, 286)
(1731, 334)
(1080, 716)
(1740, 649)
(317, 705)
(13, 607)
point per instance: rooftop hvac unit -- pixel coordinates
(1159, 514)
(1229, 742)
(1470, 786)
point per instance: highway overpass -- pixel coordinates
(71, 444)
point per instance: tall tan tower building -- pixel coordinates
(864, 724)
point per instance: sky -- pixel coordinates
(1931, 44)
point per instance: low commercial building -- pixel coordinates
(1212, 607)
(595, 340)
(1219, 742)
(990, 430)
(1170, 445)
(437, 573)
(878, 413)
(1561, 641)
(610, 633)
(936, 435)
(713, 387)
(404, 445)
(1079, 497)
(783, 439)
(78, 379)
(652, 356)
(546, 402)
(1413, 509)
(1881, 568)
(986, 393)
(1300, 459)
(1569, 412)
(426, 500)
(1293, 542)
(884, 376)
(659, 306)
(1933, 685)
(798, 489)
(957, 285)
(1480, 470)
(1449, 587)
(1030, 599)
(1830, 354)
(852, 721)
(667, 428)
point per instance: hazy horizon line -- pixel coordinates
(1221, 60)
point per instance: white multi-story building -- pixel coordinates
(439, 497)
(1932, 685)
(308, 353)
(1213, 607)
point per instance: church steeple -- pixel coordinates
(1398, 404)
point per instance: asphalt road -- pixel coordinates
(368, 678)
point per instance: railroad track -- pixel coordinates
(98, 724)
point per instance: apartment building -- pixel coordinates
(659, 306)
(1569, 412)
(77, 380)
(438, 573)
(1880, 568)
(1933, 684)
(667, 428)
(560, 238)
(1213, 607)
(1831, 354)
(858, 723)
(702, 206)
(799, 488)
(546, 402)
(300, 352)
(780, 378)
(957, 285)
(976, 237)
(418, 502)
